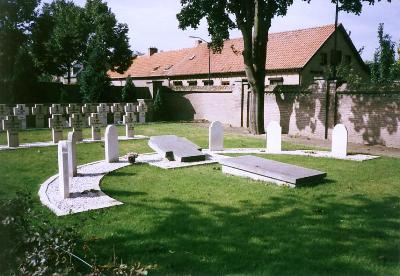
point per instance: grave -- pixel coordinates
(258, 168)
(129, 119)
(131, 107)
(72, 139)
(63, 169)
(216, 136)
(339, 141)
(39, 111)
(56, 123)
(88, 109)
(176, 148)
(72, 109)
(117, 110)
(274, 137)
(111, 144)
(76, 122)
(142, 109)
(58, 109)
(21, 111)
(12, 125)
(95, 124)
(4, 112)
(103, 110)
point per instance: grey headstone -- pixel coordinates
(72, 139)
(176, 148)
(12, 125)
(63, 169)
(95, 124)
(275, 170)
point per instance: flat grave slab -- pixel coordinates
(271, 171)
(176, 148)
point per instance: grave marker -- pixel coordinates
(129, 119)
(21, 111)
(142, 109)
(132, 107)
(12, 125)
(339, 141)
(4, 112)
(55, 109)
(76, 122)
(95, 123)
(72, 139)
(73, 108)
(216, 136)
(111, 144)
(63, 169)
(56, 123)
(88, 109)
(274, 137)
(40, 111)
(103, 110)
(117, 110)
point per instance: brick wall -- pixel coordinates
(371, 118)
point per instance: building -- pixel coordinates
(293, 58)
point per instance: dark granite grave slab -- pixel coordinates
(274, 170)
(176, 148)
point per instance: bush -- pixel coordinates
(128, 90)
(159, 106)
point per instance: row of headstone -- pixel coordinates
(67, 165)
(274, 138)
(40, 112)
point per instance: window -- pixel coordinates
(276, 81)
(192, 57)
(324, 58)
(192, 83)
(208, 82)
(168, 67)
(225, 82)
(177, 83)
(336, 58)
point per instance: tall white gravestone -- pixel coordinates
(72, 139)
(76, 122)
(21, 111)
(111, 144)
(40, 111)
(129, 119)
(12, 125)
(274, 137)
(103, 110)
(216, 136)
(95, 124)
(56, 123)
(339, 141)
(63, 169)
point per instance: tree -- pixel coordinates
(383, 67)
(128, 89)
(59, 37)
(158, 105)
(16, 17)
(108, 41)
(253, 19)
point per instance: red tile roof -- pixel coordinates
(286, 50)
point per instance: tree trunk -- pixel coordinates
(257, 108)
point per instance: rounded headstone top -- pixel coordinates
(216, 124)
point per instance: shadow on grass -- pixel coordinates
(286, 235)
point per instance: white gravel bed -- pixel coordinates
(85, 193)
(311, 153)
(85, 141)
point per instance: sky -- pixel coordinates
(153, 23)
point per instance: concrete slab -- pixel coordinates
(176, 148)
(254, 167)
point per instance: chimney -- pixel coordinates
(197, 42)
(152, 50)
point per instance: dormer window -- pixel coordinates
(192, 57)
(168, 67)
(156, 68)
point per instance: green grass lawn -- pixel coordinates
(199, 221)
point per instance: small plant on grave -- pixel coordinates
(132, 157)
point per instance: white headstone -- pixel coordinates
(63, 169)
(12, 125)
(21, 111)
(77, 123)
(339, 141)
(111, 144)
(95, 124)
(40, 111)
(216, 136)
(129, 119)
(274, 137)
(72, 139)
(56, 123)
